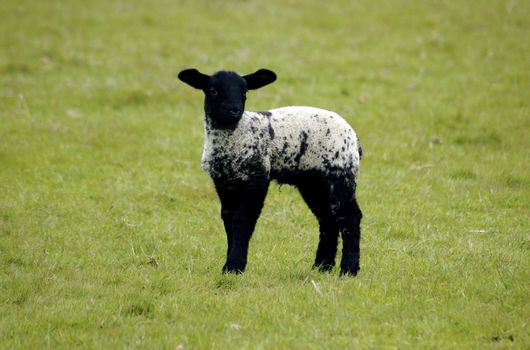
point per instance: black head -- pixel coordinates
(225, 92)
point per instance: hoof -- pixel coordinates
(323, 267)
(234, 267)
(349, 270)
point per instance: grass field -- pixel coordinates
(110, 235)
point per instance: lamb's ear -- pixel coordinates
(194, 78)
(259, 79)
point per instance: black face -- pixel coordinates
(225, 98)
(225, 92)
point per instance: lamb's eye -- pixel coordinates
(213, 92)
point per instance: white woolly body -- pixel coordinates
(281, 141)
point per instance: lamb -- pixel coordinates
(313, 149)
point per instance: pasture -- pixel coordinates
(110, 235)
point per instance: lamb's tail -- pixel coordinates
(360, 149)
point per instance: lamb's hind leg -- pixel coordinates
(348, 216)
(327, 245)
(316, 194)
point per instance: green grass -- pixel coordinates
(109, 230)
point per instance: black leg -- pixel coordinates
(315, 193)
(242, 212)
(327, 246)
(348, 216)
(229, 198)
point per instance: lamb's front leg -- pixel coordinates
(229, 198)
(244, 208)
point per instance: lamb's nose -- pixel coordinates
(234, 112)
